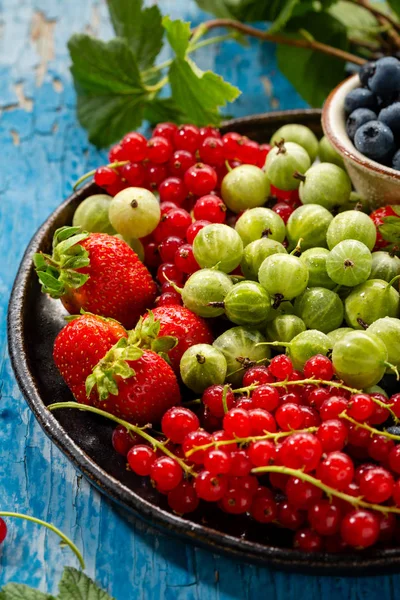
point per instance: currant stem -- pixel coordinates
(255, 438)
(224, 394)
(138, 430)
(52, 528)
(356, 502)
(307, 381)
(113, 165)
(372, 430)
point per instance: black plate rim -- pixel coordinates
(388, 559)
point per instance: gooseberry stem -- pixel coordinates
(65, 539)
(329, 491)
(113, 165)
(255, 438)
(138, 430)
(372, 430)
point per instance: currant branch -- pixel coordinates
(65, 539)
(113, 165)
(372, 430)
(309, 380)
(138, 430)
(329, 491)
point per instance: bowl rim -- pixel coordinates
(346, 148)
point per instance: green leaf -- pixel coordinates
(141, 28)
(312, 73)
(360, 23)
(18, 591)
(178, 35)
(163, 109)
(250, 10)
(395, 6)
(111, 95)
(218, 8)
(164, 344)
(75, 585)
(283, 17)
(390, 229)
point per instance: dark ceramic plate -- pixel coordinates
(34, 321)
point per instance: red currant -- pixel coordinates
(387, 527)
(360, 407)
(324, 517)
(379, 447)
(187, 137)
(291, 397)
(307, 540)
(169, 299)
(249, 152)
(283, 210)
(240, 463)
(205, 132)
(358, 437)
(336, 470)
(185, 260)
(264, 508)
(169, 272)
(168, 247)
(394, 459)
(395, 404)
(173, 190)
(237, 423)
(289, 416)
(333, 407)
(332, 434)
(183, 498)
(194, 229)
(257, 375)
(211, 487)
(290, 517)
(123, 440)
(317, 397)
(196, 439)
(177, 422)
(300, 451)
(3, 530)
(116, 154)
(311, 417)
(210, 208)
(217, 461)
(134, 173)
(155, 174)
(265, 397)
(222, 436)
(159, 150)
(212, 398)
(200, 179)
(180, 162)
(211, 151)
(166, 473)
(281, 367)
(261, 421)
(232, 143)
(140, 459)
(376, 485)
(165, 130)
(301, 494)
(134, 147)
(380, 414)
(105, 176)
(360, 528)
(174, 223)
(261, 453)
(318, 366)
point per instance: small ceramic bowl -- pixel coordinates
(378, 184)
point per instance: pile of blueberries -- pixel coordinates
(373, 112)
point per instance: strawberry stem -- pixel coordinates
(65, 539)
(138, 430)
(329, 491)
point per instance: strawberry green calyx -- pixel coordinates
(114, 364)
(58, 273)
(146, 335)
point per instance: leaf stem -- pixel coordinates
(65, 539)
(138, 430)
(113, 165)
(156, 87)
(281, 39)
(357, 502)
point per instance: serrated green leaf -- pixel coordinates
(63, 247)
(178, 35)
(122, 369)
(39, 261)
(199, 94)
(51, 285)
(75, 585)
(163, 109)
(18, 591)
(312, 73)
(164, 344)
(72, 279)
(360, 22)
(132, 353)
(111, 95)
(141, 28)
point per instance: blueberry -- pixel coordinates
(357, 118)
(396, 161)
(393, 429)
(391, 117)
(366, 71)
(386, 79)
(375, 140)
(359, 98)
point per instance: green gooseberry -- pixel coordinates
(202, 365)
(338, 334)
(388, 331)
(284, 308)
(259, 222)
(218, 245)
(92, 214)
(256, 252)
(245, 187)
(315, 259)
(355, 202)
(349, 263)
(305, 345)
(351, 225)
(328, 154)
(284, 276)
(283, 162)
(320, 309)
(135, 244)
(376, 389)
(247, 303)
(360, 359)
(134, 212)
(284, 328)
(301, 135)
(205, 291)
(370, 301)
(308, 223)
(325, 184)
(384, 266)
(242, 350)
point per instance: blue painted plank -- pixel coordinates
(44, 150)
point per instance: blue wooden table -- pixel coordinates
(43, 151)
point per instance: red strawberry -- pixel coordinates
(80, 345)
(98, 273)
(380, 218)
(137, 385)
(181, 323)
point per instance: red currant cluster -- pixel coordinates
(299, 450)
(186, 165)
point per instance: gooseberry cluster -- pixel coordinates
(297, 450)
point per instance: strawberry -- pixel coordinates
(98, 273)
(80, 345)
(387, 222)
(180, 323)
(137, 385)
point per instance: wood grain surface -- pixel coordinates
(43, 151)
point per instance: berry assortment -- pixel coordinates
(273, 311)
(373, 112)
